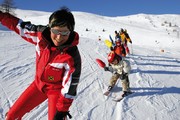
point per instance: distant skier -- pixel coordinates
(117, 36)
(125, 38)
(120, 69)
(119, 48)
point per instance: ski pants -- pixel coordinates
(31, 98)
(126, 48)
(125, 82)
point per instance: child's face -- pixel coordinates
(115, 62)
(59, 35)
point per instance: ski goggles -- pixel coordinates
(57, 32)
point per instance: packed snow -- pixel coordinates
(154, 58)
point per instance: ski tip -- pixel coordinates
(106, 93)
(117, 100)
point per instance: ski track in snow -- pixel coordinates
(87, 57)
(142, 83)
(145, 79)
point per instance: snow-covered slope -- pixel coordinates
(154, 77)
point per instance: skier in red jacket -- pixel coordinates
(58, 64)
(119, 49)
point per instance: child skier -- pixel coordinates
(119, 49)
(120, 69)
(125, 38)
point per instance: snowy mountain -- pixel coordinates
(155, 75)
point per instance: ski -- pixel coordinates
(107, 93)
(119, 98)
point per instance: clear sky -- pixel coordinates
(104, 7)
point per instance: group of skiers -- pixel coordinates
(119, 67)
(58, 64)
(121, 40)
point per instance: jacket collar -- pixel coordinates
(73, 40)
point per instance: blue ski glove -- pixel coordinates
(27, 25)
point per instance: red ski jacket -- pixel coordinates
(56, 67)
(120, 50)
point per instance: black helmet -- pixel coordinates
(122, 30)
(62, 17)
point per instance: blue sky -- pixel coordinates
(104, 7)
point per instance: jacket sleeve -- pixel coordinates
(28, 33)
(126, 66)
(9, 21)
(69, 89)
(65, 98)
(127, 37)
